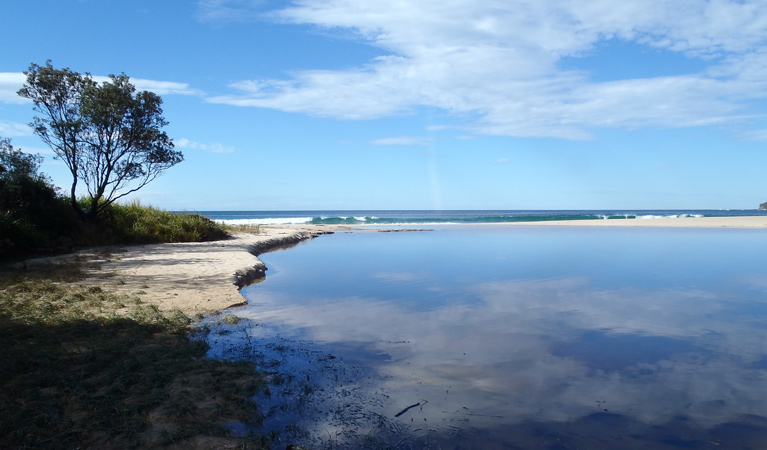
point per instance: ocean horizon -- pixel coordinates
(431, 217)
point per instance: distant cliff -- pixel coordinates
(763, 205)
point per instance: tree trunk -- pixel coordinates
(73, 198)
(93, 213)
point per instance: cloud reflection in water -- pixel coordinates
(490, 354)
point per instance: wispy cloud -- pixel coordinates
(42, 151)
(755, 135)
(213, 147)
(14, 129)
(496, 66)
(403, 141)
(228, 10)
(11, 82)
(164, 87)
(400, 277)
(158, 87)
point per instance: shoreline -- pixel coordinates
(667, 222)
(196, 277)
(203, 277)
(679, 222)
(199, 278)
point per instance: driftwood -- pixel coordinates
(407, 409)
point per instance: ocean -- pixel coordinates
(404, 217)
(509, 337)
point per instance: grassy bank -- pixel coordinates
(85, 368)
(137, 224)
(36, 233)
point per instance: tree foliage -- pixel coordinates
(108, 135)
(32, 214)
(22, 188)
(15, 164)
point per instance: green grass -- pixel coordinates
(136, 224)
(85, 368)
(81, 367)
(121, 224)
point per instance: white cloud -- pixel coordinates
(158, 87)
(495, 63)
(40, 151)
(10, 82)
(403, 141)
(755, 135)
(14, 129)
(228, 10)
(164, 87)
(506, 338)
(214, 147)
(400, 277)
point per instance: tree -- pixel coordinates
(15, 163)
(22, 187)
(32, 213)
(109, 136)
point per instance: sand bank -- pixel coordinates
(681, 222)
(194, 277)
(207, 276)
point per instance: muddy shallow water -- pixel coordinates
(512, 337)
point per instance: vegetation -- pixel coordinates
(83, 368)
(254, 229)
(108, 135)
(36, 220)
(41, 232)
(33, 216)
(137, 224)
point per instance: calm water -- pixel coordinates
(513, 337)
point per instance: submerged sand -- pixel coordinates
(207, 276)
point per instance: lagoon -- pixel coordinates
(494, 336)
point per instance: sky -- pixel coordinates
(404, 104)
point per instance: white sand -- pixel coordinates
(682, 222)
(193, 277)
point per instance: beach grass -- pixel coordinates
(253, 229)
(134, 223)
(86, 368)
(120, 224)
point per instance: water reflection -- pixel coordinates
(501, 348)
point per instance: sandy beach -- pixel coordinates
(207, 276)
(194, 277)
(682, 222)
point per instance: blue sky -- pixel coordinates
(450, 104)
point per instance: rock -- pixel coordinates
(763, 206)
